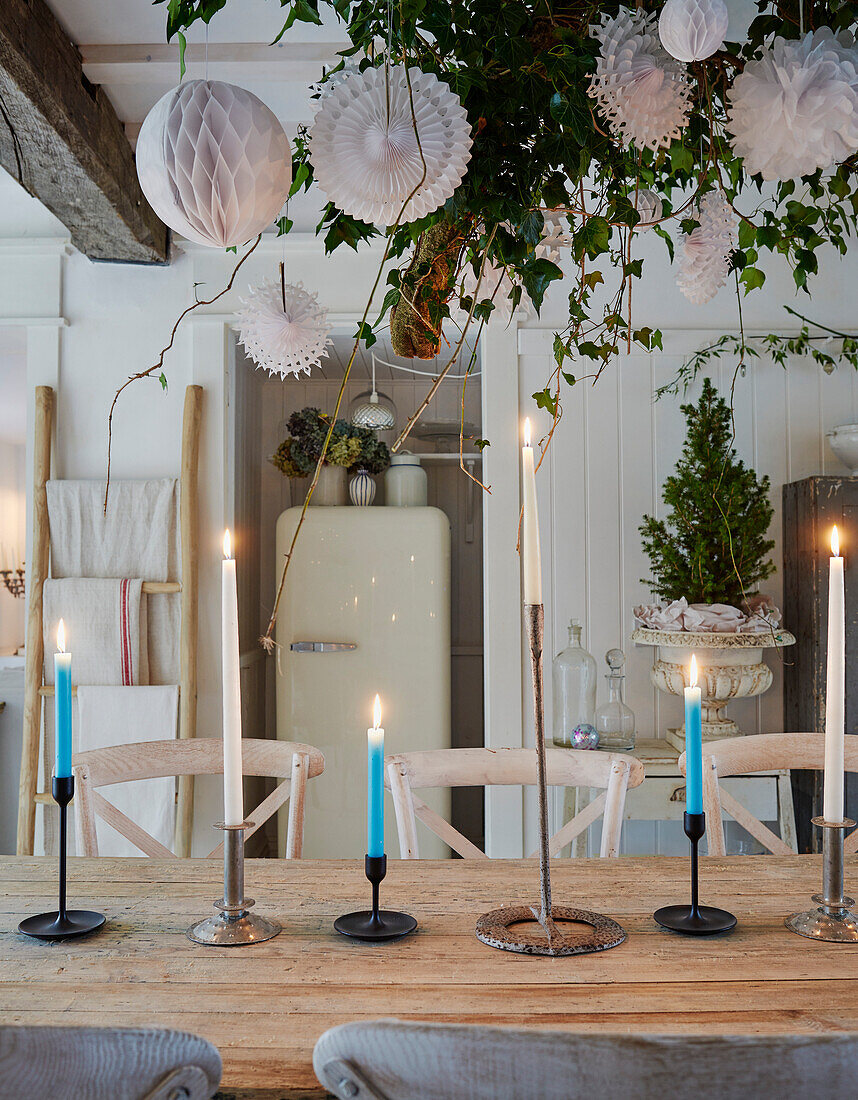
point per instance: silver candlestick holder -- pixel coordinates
(233, 925)
(831, 920)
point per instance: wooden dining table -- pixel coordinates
(264, 1006)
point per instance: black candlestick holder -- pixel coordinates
(64, 923)
(375, 924)
(694, 919)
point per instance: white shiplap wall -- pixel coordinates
(609, 458)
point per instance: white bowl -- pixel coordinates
(844, 443)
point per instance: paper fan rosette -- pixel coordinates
(365, 153)
(283, 328)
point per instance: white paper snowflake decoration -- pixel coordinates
(556, 236)
(365, 153)
(795, 109)
(283, 328)
(704, 254)
(691, 30)
(649, 208)
(643, 92)
(214, 163)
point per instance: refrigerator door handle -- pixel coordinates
(321, 647)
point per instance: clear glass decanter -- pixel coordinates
(614, 720)
(574, 690)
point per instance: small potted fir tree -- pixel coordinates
(708, 557)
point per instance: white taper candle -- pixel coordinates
(835, 687)
(233, 798)
(530, 558)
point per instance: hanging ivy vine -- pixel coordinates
(522, 70)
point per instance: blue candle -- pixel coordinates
(375, 785)
(62, 707)
(693, 744)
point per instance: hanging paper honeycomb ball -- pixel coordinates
(214, 163)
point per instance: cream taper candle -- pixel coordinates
(233, 798)
(835, 687)
(530, 560)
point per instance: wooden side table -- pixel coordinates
(661, 796)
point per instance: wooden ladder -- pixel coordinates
(34, 688)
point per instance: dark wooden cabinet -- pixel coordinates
(810, 509)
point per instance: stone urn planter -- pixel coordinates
(730, 666)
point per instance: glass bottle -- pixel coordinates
(574, 691)
(615, 721)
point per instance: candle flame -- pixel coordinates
(527, 432)
(376, 713)
(692, 674)
(61, 637)
(835, 541)
(227, 544)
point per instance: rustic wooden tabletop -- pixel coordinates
(264, 1006)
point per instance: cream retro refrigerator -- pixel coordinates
(366, 609)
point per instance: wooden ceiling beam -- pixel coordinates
(300, 63)
(61, 139)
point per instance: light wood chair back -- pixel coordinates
(395, 1060)
(99, 1063)
(406, 772)
(201, 756)
(766, 752)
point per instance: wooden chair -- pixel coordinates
(202, 756)
(395, 1060)
(759, 753)
(410, 771)
(99, 1063)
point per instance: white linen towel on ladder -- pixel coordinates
(106, 629)
(138, 536)
(127, 715)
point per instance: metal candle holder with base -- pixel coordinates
(501, 927)
(64, 923)
(234, 925)
(832, 920)
(695, 919)
(375, 924)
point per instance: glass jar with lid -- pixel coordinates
(614, 720)
(405, 483)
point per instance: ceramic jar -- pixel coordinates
(405, 483)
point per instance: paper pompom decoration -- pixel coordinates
(214, 163)
(283, 328)
(704, 254)
(642, 91)
(795, 109)
(648, 205)
(691, 30)
(365, 153)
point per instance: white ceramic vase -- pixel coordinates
(730, 667)
(331, 488)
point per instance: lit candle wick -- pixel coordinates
(61, 637)
(835, 542)
(227, 544)
(692, 675)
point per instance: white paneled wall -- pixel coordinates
(605, 468)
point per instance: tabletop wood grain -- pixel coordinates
(264, 1006)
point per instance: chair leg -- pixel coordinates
(715, 845)
(297, 792)
(403, 807)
